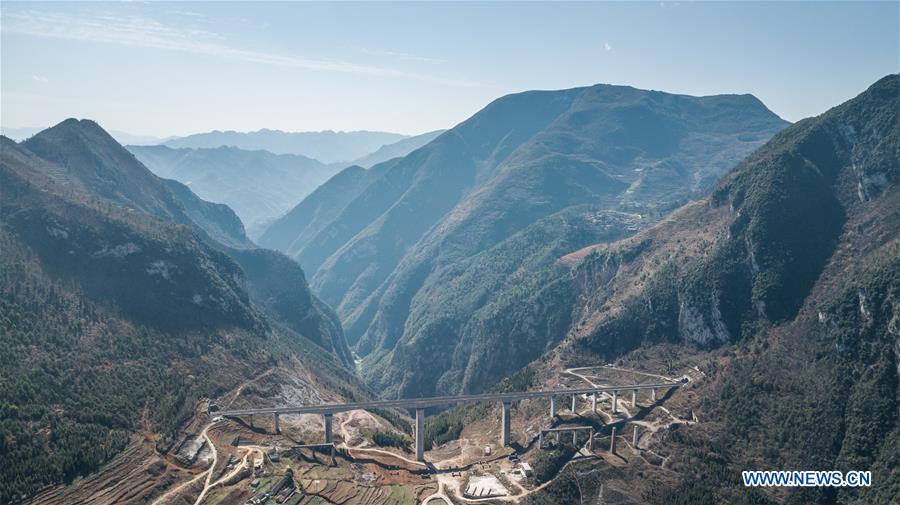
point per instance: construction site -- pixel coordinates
(509, 450)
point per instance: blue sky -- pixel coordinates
(177, 68)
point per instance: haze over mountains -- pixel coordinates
(255, 182)
(258, 185)
(325, 146)
(419, 253)
(19, 134)
(397, 149)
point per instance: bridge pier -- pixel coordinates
(277, 425)
(612, 441)
(594, 403)
(634, 438)
(615, 402)
(653, 394)
(552, 407)
(329, 438)
(420, 434)
(634, 398)
(573, 405)
(575, 439)
(504, 434)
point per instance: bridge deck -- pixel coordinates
(421, 403)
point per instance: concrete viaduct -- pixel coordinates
(328, 410)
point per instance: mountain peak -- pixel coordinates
(74, 137)
(81, 125)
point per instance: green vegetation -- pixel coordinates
(390, 439)
(548, 462)
(393, 417)
(568, 487)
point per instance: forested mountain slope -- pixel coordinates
(116, 321)
(504, 194)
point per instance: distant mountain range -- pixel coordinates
(121, 137)
(325, 146)
(258, 185)
(419, 253)
(125, 298)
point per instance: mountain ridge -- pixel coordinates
(326, 146)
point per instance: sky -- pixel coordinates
(159, 68)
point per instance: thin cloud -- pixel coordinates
(40, 79)
(148, 33)
(606, 47)
(178, 12)
(398, 55)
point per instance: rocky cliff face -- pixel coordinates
(788, 272)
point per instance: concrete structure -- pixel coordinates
(634, 438)
(277, 426)
(573, 429)
(653, 394)
(420, 434)
(612, 441)
(552, 407)
(316, 447)
(526, 470)
(594, 403)
(329, 439)
(615, 402)
(329, 409)
(634, 398)
(504, 421)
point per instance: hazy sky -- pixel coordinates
(178, 68)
